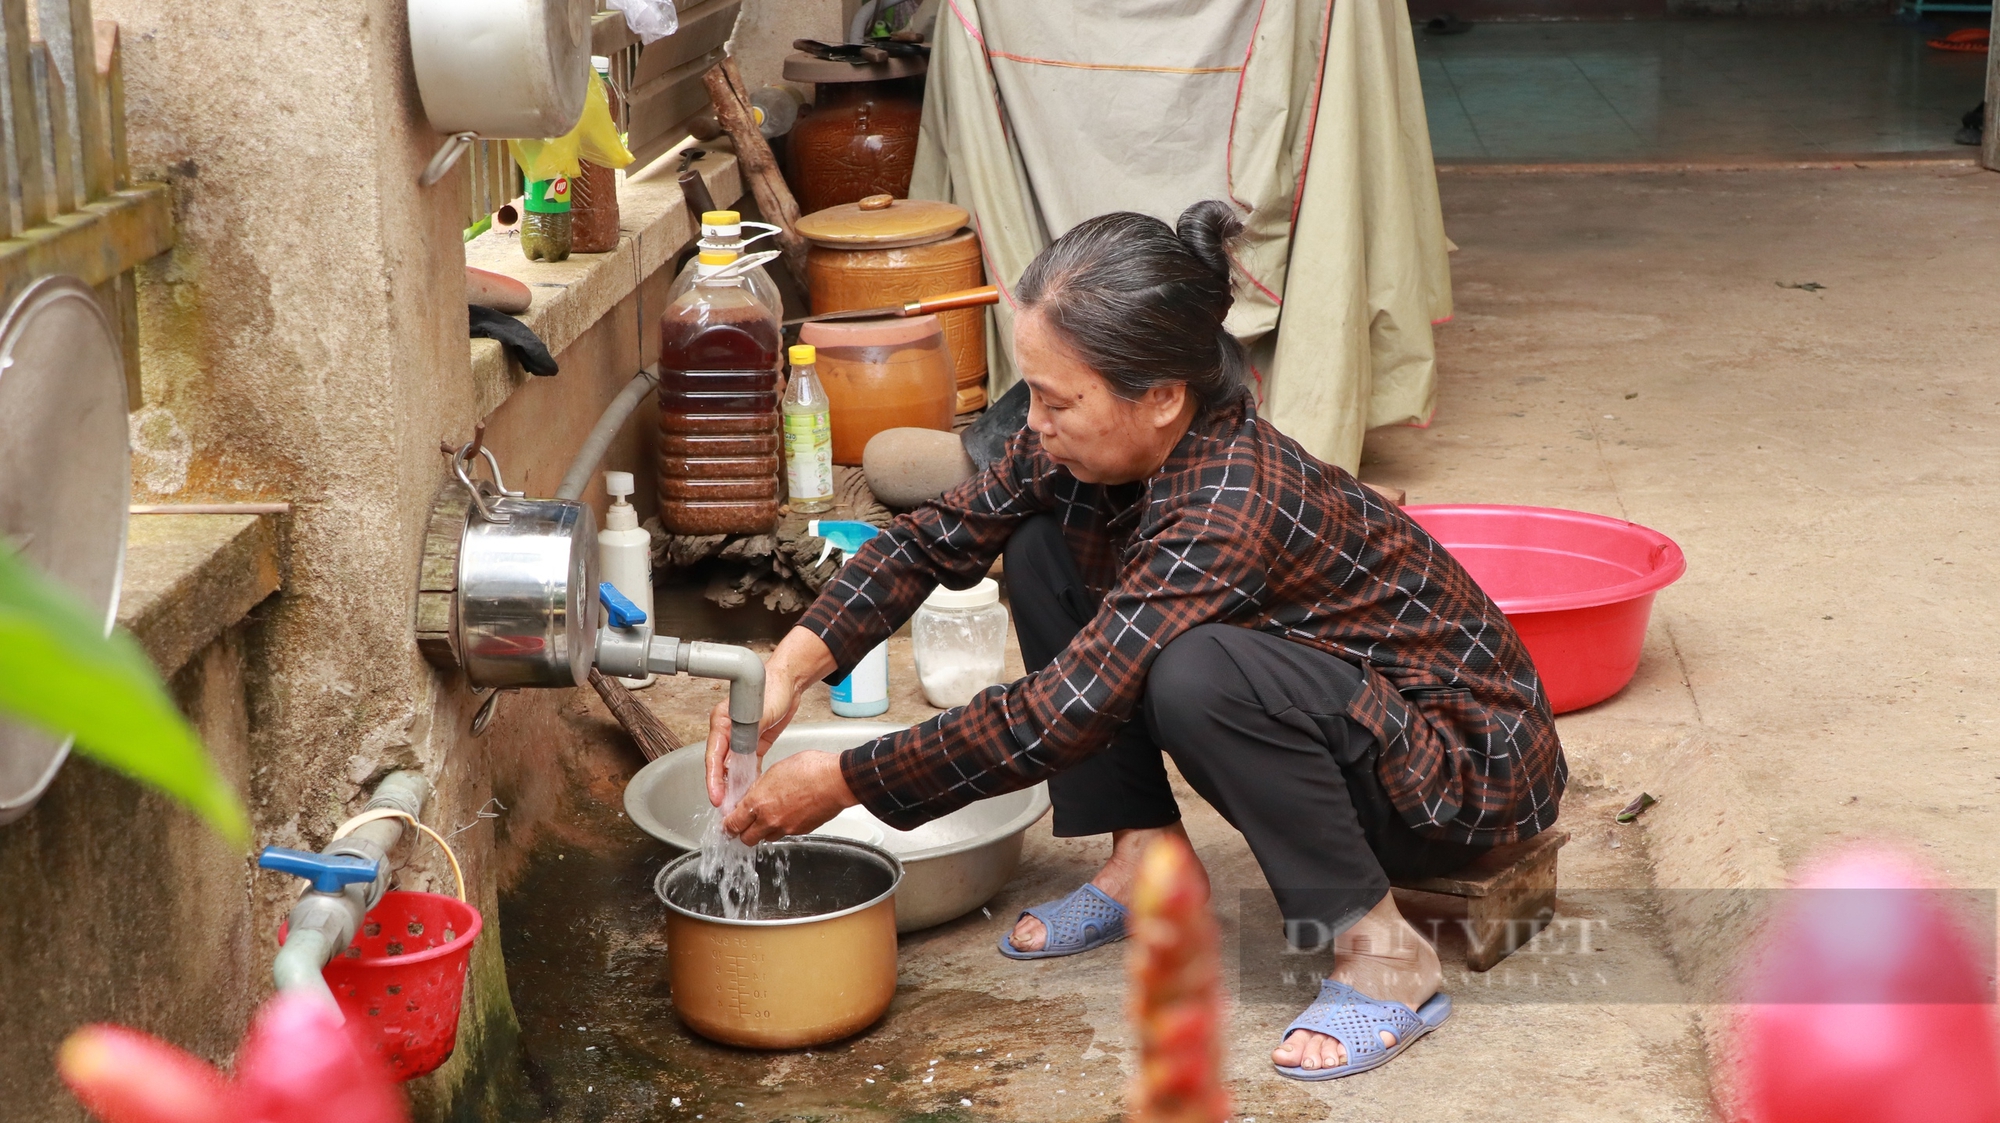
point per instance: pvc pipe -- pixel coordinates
(299, 963)
(857, 31)
(321, 925)
(591, 452)
(740, 666)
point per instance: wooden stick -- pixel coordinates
(211, 509)
(646, 731)
(760, 167)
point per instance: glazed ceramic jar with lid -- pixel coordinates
(883, 251)
(861, 137)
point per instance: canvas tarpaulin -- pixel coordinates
(1307, 115)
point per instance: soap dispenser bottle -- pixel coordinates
(624, 553)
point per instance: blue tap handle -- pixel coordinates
(329, 873)
(621, 612)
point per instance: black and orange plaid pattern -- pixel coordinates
(1240, 526)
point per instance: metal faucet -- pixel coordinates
(627, 648)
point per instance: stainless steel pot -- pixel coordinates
(498, 68)
(527, 588)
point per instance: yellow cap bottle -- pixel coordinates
(804, 354)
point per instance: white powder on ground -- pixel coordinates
(951, 681)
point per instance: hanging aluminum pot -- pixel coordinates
(527, 586)
(498, 69)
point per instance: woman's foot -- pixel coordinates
(1381, 956)
(1115, 880)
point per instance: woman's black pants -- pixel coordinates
(1258, 726)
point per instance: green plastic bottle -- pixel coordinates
(545, 228)
(808, 436)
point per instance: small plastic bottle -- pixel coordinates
(808, 436)
(776, 110)
(624, 553)
(865, 691)
(545, 228)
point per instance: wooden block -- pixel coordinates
(437, 628)
(1509, 894)
(442, 538)
(437, 578)
(1394, 496)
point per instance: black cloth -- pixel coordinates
(519, 339)
(1258, 727)
(986, 439)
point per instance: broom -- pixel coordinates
(646, 731)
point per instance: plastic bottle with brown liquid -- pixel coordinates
(719, 465)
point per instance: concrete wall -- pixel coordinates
(306, 340)
(122, 907)
(766, 28)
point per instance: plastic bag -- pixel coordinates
(596, 133)
(649, 19)
(595, 138)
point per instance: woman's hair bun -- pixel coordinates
(1207, 227)
(1143, 303)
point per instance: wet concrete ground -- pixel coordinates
(1590, 1009)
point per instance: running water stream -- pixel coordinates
(725, 860)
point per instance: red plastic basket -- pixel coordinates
(403, 977)
(402, 980)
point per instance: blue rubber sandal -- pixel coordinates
(1357, 1021)
(1083, 920)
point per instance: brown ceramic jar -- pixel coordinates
(861, 137)
(882, 374)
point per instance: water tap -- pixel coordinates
(328, 873)
(627, 648)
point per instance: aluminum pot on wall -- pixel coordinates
(499, 69)
(65, 479)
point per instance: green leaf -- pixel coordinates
(59, 672)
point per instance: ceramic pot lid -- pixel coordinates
(883, 223)
(65, 478)
(899, 331)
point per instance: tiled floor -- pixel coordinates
(1691, 89)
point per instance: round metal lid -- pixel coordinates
(802, 67)
(65, 478)
(882, 223)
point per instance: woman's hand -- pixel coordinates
(800, 660)
(799, 793)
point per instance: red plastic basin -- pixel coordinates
(1578, 588)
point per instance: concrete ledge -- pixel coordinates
(189, 577)
(571, 296)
